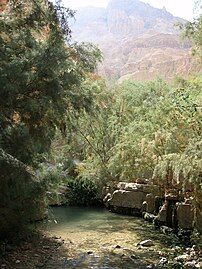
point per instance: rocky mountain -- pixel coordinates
(137, 40)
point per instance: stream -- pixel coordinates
(95, 238)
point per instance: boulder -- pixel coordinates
(163, 261)
(185, 216)
(106, 199)
(127, 199)
(21, 196)
(146, 188)
(159, 201)
(146, 243)
(138, 187)
(181, 258)
(191, 264)
(150, 200)
(144, 207)
(149, 217)
(199, 219)
(105, 191)
(121, 185)
(142, 181)
(166, 230)
(162, 215)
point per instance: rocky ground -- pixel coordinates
(43, 251)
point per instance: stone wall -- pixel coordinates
(168, 209)
(130, 197)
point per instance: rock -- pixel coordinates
(176, 248)
(185, 216)
(56, 237)
(146, 188)
(107, 198)
(158, 203)
(188, 250)
(163, 261)
(26, 199)
(151, 266)
(149, 217)
(144, 206)
(137, 40)
(105, 191)
(162, 215)
(199, 219)
(150, 199)
(130, 196)
(166, 230)
(181, 258)
(146, 243)
(142, 181)
(132, 187)
(191, 264)
(46, 247)
(193, 255)
(134, 257)
(194, 247)
(199, 265)
(121, 185)
(176, 265)
(127, 199)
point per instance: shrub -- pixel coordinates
(84, 192)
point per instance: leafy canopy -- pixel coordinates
(41, 75)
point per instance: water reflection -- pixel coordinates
(90, 219)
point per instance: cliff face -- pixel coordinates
(3, 4)
(137, 40)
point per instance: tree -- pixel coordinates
(193, 31)
(41, 80)
(41, 75)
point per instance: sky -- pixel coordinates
(179, 8)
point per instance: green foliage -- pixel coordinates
(193, 30)
(140, 130)
(83, 192)
(41, 76)
(50, 176)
